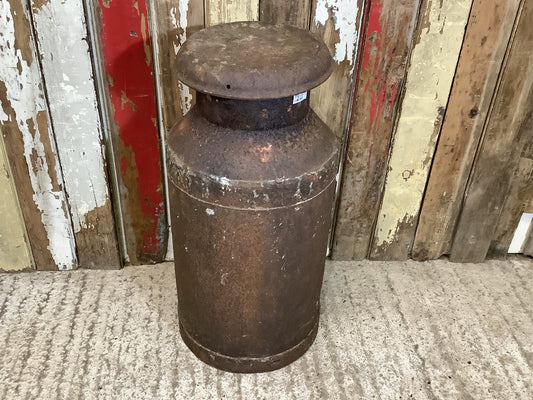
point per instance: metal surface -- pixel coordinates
(251, 190)
(253, 60)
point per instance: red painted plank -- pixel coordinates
(387, 41)
(128, 65)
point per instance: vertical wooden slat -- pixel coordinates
(221, 11)
(61, 34)
(528, 243)
(296, 13)
(29, 142)
(519, 199)
(386, 47)
(486, 39)
(171, 24)
(125, 44)
(498, 155)
(433, 60)
(15, 254)
(338, 23)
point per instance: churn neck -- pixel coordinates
(253, 114)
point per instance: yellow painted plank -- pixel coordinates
(15, 252)
(433, 60)
(222, 11)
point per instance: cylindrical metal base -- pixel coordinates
(249, 364)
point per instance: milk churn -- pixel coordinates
(252, 179)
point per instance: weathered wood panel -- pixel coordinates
(339, 24)
(127, 57)
(499, 152)
(67, 70)
(296, 13)
(15, 253)
(29, 142)
(486, 39)
(221, 11)
(386, 47)
(433, 60)
(528, 243)
(520, 195)
(171, 24)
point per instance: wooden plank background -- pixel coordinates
(68, 77)
(386, 48)
(420, 96)
(30, 144)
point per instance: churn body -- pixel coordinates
(252, 180)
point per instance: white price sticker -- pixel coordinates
(299, 98)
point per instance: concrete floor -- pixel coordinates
(388, 331)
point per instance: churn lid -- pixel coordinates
(253, 60)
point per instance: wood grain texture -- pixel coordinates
(486, 39)
(432, 65)
(296, 13)
(528, 243)
(498, 155)
(338, 23)
(173, 22)
(15, 253)
(30, 144)
(386, 47)
(61, 35)
(222, 11)
(520, 195)
(127, 58)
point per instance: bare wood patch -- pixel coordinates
(498, 156)
(486, 39)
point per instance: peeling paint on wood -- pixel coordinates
(338, 23)
(433, 60)
(486, 39)
(67, 70)
(29, 142)
(221, 11)
(15, 253)
(499, 153)
(128, 64)
(296, 12)
(171, 23)
(386, 47)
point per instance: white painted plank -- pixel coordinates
(429, 79)
(15, 253)
(61, 33)
(26, 107)
(62, 37)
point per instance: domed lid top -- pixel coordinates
(253, 60)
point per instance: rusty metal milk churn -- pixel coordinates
(252, 179)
